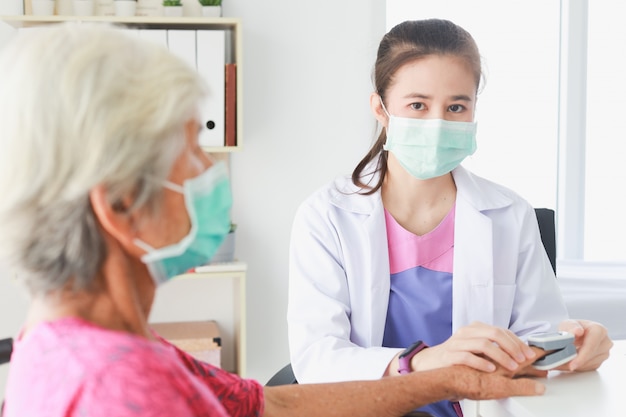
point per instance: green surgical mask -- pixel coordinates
(208, 200)
(429, 148)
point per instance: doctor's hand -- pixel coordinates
(479, 346)
(592, 343)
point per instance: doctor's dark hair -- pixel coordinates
(404, 43)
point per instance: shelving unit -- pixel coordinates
(231, 25)
(218, 294)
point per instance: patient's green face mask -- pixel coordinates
(429, 148)
(208, 200)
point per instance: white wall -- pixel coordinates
(306, 118)
(307, 68)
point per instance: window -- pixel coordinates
(605, 177)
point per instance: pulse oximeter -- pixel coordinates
(559, 344)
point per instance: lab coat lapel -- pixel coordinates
(377, 270)
(472, 285)
(474, 253)
(372, 270)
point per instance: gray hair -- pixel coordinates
(82, 105)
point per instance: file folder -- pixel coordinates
(158, 36)
(183, 44)
(211, 59)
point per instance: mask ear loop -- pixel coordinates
(181, 189)
(383, 105)
(174, 187)
(388, 118)
(143, 245)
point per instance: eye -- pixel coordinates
(418, 106)
(456, 108)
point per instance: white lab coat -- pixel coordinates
(339, 275)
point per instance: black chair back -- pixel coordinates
(547, 229)
(6, 348)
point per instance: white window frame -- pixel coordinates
(572, 128)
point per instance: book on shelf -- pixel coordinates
(230, 104)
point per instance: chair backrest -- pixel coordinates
(547, 229)
(6, 348)
(283, 377)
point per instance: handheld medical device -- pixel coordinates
(559, 344)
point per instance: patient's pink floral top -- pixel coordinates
(70, 367)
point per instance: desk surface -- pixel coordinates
(571, 394)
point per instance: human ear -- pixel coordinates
(376, 104)
(115, 219)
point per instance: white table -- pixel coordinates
(599, 393)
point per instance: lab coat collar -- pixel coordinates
(348, 196)
(479, 192)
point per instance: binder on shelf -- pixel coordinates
(183, 44)
(158, 36)
(210, 58)
(230, 113)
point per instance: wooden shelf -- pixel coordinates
(232, 25)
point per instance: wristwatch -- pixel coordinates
(404, 360)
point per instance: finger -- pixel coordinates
(516, 347)
(505, 339)
(532, 371)
(526, 368)
(440, 356)
(500, 386)
(526, 387)
(510, 354)
(478, 353)
(572, 326)
(590, 345)
(475, 385)
(590, 363)
(475, 361)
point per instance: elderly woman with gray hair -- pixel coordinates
(105, 195)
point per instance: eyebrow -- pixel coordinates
(459, 97)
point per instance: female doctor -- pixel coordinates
(414, 255)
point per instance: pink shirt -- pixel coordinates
(71, 367)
